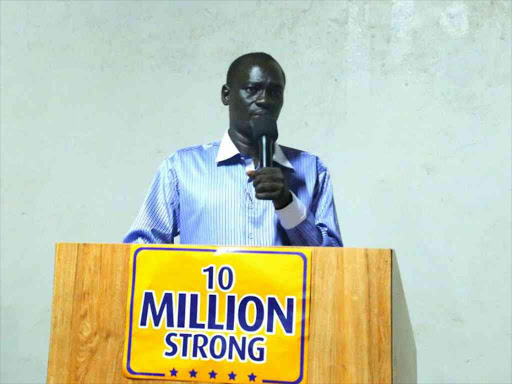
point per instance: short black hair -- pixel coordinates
(235, 65)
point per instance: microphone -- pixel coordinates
(264, 130)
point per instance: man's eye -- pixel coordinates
(251, 89)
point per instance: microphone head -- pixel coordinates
(264, 126)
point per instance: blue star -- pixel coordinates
(252, 377)
(193, 373)
(232, 375)
(212, 374)
(174, 372)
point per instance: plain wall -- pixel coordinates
(407, 102)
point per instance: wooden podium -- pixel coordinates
(350, 329)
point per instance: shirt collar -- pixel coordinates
(227, 150)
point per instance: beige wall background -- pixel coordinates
(407, 102)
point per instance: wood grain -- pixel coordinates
(350, 316)
(350, 328)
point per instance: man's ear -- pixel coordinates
(224, 95)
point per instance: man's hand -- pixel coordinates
(270, 184)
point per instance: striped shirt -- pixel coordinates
(203, 195)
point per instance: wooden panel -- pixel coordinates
(350, 316)
(59, 359)
(89, 306)
(350, 330)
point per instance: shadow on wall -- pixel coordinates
(405, 368)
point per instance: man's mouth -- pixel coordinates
(261, 114)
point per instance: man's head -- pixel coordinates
(254, 86)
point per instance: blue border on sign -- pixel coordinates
(304, 289)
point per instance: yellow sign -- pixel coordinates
(215, 314)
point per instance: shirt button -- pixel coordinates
(250, 235)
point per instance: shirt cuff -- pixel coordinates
(293, 214)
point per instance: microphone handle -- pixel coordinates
(266, 151)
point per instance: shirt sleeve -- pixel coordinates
(159, 218)
(319, 227)
(293, 214)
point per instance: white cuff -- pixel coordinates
(293, 214)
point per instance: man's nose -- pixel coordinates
(263, 99)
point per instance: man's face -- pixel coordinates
(257, 90)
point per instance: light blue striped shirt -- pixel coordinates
(203, 194)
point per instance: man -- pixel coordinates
(216, 194)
